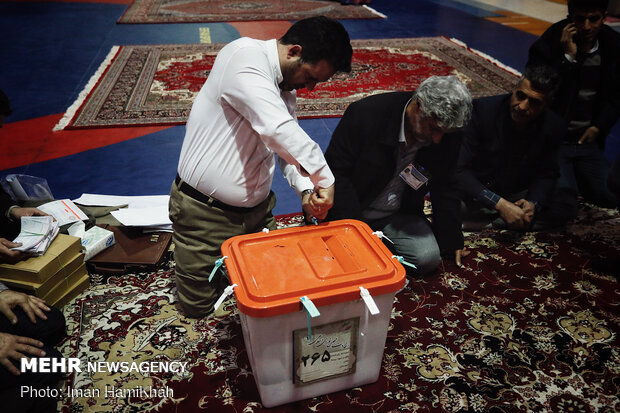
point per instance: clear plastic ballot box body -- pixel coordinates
(307, 328)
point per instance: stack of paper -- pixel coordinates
(36, 234)
(149, 212)
(64, 210)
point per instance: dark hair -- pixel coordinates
(543, 78)
(5, 105)
(321, 38)
(574, 5)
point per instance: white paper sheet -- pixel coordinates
(116, 200)
(141, 217)
(64, 210)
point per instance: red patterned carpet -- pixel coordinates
(206, 11)
(156, 85)
(526, 326)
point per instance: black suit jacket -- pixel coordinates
(362, 156)
(548, 50)
(484, 152)
(8, 229)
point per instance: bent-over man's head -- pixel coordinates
(533, 94)
(441, 104)
(313, 50)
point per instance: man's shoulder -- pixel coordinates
(245, 43)
(382, 99)
(555, 29)
(611, 38)
(247, 52)
(388, 96)
(554, 124)
(486, 103)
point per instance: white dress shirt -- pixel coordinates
(239, 119)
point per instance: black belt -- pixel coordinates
(206, 199)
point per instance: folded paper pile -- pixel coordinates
(36, 234)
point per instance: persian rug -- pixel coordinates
(156, 85)
(527, 325)
(209, 11)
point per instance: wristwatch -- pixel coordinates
(306, 192)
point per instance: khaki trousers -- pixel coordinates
(198, 233)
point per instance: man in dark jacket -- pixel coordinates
(388, 152)
(28, 327)
(508, 163)
(586, 52)
(10, 212)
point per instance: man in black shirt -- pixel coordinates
(28, 327)
(507, 166)
(586, 53)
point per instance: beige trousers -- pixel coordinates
(198, 233)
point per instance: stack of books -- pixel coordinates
(57, 276)
(36, 235)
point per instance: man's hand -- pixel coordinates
(459, 254)
(8, 255)
(568, 40)
(32, 306)
(19, 212)
(321, 200)
(589, 135)
(512, 214)
(528, 207)
(309, 212)
(16, 348)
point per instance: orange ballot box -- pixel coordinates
(315, 305)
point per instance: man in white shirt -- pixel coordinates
(244, 113)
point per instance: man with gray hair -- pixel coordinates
(508, 165)
(390, 150)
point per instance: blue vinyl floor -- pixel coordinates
(50, 50)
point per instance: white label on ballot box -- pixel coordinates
(331, 352)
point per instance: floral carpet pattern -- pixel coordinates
(527, 325)
(206, 11)
(156, 85)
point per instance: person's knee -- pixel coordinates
(196, 298)
(54, 328)
(50, 330)
(427, 261)
(190, 310)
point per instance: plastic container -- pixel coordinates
(294, 353)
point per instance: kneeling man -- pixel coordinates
(508, 165)
(388, 152)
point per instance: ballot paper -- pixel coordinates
(150, 212)
(36, 234)
(64, 210)
(143, 217)
(140, 201)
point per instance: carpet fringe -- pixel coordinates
(487, 57)
(71, 110)
(370, 9)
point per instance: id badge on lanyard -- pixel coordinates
(415, 176)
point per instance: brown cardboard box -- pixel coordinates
(41, 289)
(65, 285)
(38, 269)
(73, 290)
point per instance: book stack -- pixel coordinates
(36, 235)
(57, 276)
